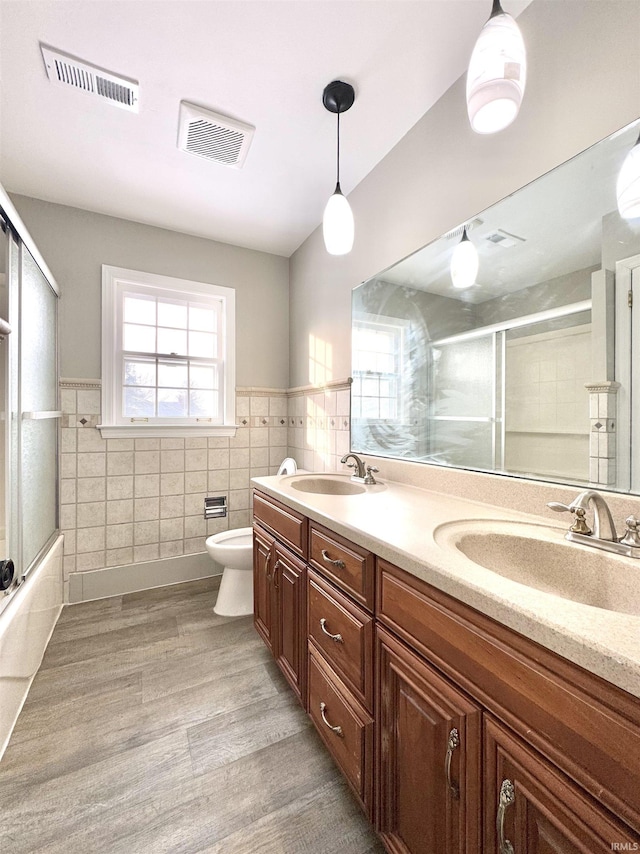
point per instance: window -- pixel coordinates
(377, 358)
(167, 356)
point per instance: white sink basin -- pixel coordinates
(538, 556)
(330, 484)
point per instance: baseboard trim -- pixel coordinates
(118, 580)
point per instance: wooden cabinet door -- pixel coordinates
(263, 593)
(428, 758)
(290, 633)
(532, 808)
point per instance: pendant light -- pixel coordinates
(497, 73)
(337, 222)
(628, 186)
(464, 263)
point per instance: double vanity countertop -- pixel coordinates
(422, 531)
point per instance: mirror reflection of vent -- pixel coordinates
(213, 136)
(504, 239)
(457, 232)
(65, 70)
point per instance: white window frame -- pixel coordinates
(399, 328)
(115, 281)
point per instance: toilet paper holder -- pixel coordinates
(215, 507)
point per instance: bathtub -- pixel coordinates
(28, 617)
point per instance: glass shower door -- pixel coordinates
(38, 408)
(464, 417)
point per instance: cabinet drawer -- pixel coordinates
(289, 526)
(344, 725)
(348, 565)
(538, 694)
(344, 633)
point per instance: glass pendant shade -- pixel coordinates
(497, 75)
(464, 263)
(628, 185)
(338, 225)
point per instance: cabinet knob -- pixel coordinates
(507, 797)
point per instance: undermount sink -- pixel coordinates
(539, 557)
(326, 485)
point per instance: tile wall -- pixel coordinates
(318, 426)
(126, 501)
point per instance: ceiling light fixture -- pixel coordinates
(497, 73)
(628, 185)
(464, 263)
(337, 222)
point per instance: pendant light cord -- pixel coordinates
(338, 155)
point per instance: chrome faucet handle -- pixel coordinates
(631, 536)
(369, 478)
(579, 525)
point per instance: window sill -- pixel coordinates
(151, 431)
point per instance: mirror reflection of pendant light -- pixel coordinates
(497, 73)
(337, 222)
(464, 263)
(628, 186)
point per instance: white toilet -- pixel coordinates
(234, 551)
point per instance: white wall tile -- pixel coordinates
(90, 440)
(171, 461)
(119, 557)
(146, 485)
(145, 533)
(195, 481)
(118, 487)
(171, 506)
(91, 465)
(90, 539)
(88, 401)
(171, 529)
(119, 536)
(146, 552)
(68, 491)
(120, 511)
(147, 462)
(91, 514)
(146, 509)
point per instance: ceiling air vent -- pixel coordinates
(212, 136)
(66, 70)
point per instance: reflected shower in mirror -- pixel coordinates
(529, 371)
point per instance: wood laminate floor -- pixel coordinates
(156, 726)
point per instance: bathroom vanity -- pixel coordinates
(468, 712)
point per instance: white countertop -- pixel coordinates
(404, 524)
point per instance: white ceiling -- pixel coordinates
(264, 63)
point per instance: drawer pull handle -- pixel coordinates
(337, 638)
(339, 564)
(275, 574)
(452, 744)
(336, 729)
(507, 797)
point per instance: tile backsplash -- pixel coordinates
(126, 501)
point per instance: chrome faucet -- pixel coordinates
(360, 474)
(603, 536)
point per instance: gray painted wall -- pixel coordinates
(76, 243)
(584, 83)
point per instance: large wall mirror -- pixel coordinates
(534, 369)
